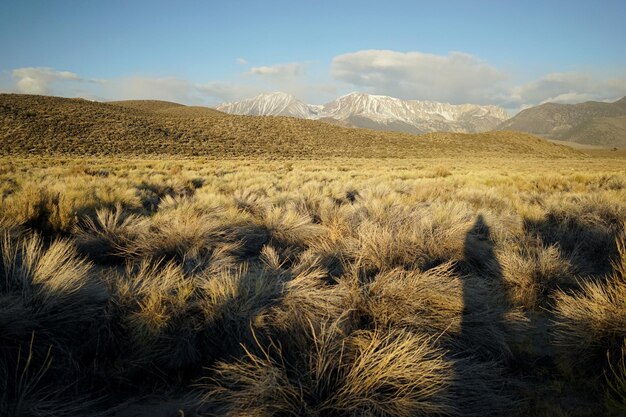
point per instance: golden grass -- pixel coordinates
(348, 286)
(591, 322)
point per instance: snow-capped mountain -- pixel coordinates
(377, 112)
(272, 104)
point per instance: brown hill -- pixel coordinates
(146, 105)
(591, 123)
(167, 108)
(39, 125)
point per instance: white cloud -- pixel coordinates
(167, 88)
(41, 80)
(48, 81)
(571, 87)
(242, 61)
(463, 78)
(280, 71)
(282, 77)
(456, 77)
(294, 78)
(218, 92)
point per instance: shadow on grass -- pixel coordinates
(590, 247)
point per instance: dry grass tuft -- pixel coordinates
(107, 237)
(533, 272)
(374, 373)
(591, 322)
(154, 304)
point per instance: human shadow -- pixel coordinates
(481, 352)
(484, 299)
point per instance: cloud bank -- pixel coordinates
(463, 78)
(455, 78)
(32, 80)
(280, 71)
(569, 88)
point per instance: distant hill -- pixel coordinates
(591, 123)
(167, 108)
(147, 105)
(39, 125)
(376, 112)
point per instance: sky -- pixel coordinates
(511, 54)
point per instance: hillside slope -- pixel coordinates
(38, 125)
(592, 123)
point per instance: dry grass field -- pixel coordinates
(451, 286)
(164, 260)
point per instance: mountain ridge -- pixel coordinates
(591, 122)
(376, 112)
(270, 104)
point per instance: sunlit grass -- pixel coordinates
(396, 287)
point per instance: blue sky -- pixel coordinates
(513, 54)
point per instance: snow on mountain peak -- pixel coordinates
(376, 111)
(270, 104)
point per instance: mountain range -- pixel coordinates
(590, 123)
(376, 112)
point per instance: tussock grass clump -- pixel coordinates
(585, 226)
(416, 240)
(153, 305)
(591, 322)
(308, 300)
(232, 305)
(151, 194)
(49, 290)
(290, 232)
(51, 303)
(109, 236)
(374, 373)
(430, 302)
(532, 272)
(182, 233)
(39, 209)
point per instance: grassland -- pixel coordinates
(449, 286)
(164, 260)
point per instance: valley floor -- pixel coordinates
(341, 287)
